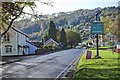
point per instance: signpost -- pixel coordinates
(97, 28)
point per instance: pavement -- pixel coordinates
(11, 59)
(46, 66)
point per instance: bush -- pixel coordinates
(110, 43)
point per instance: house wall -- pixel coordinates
(22, 42)
(21, 39)
(32, 48)
(12, 42)
(19, 44)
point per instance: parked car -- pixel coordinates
(78, 47)
(90, 45)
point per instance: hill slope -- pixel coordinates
(81, 18)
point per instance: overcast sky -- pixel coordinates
(71, 5)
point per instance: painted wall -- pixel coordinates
(12, 42)
(22, 42)
(17, 39)
(32, 48)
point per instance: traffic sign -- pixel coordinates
(93, 36)
(97, 27)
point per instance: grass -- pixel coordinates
(106, 67)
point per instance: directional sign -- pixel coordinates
(97, 27)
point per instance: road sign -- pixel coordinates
(97, 27)
(93, 36)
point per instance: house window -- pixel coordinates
(19, 49)
(8, 48)
(6, 37)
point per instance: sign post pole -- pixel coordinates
(97, 28)
(97, 45)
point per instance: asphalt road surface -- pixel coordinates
(46, 66)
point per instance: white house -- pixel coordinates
(51, 42)
(15, 42)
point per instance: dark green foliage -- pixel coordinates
(52, 31)
(63, 37)
(46, 37)
(84, 17)
(73, 38)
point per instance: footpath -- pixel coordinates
(11, 59)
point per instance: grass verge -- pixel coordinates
(106, 67)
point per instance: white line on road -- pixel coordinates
(64, 72)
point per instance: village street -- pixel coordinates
(46, 66)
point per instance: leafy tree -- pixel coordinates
(10, 12)
(52, 31)
(72, 38)
(115, 29)
(63, 36)
(106, 22)
(45, 37)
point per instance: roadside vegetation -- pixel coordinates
(106, 67)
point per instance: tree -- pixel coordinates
(45, 37)
(73, 38)
(52, 32)
(63, 37)
(115, 29)
(10, 12)
(106, 22)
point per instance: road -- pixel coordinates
(46, 66)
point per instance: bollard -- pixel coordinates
(88, 54)
(118, 48)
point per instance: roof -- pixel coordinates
(37, 44)
(50, 41)
(19, 31)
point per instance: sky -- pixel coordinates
(71, 5)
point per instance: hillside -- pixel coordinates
(81, 19)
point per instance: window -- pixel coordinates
(19, 49)
(8, 48)
(6, 37)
